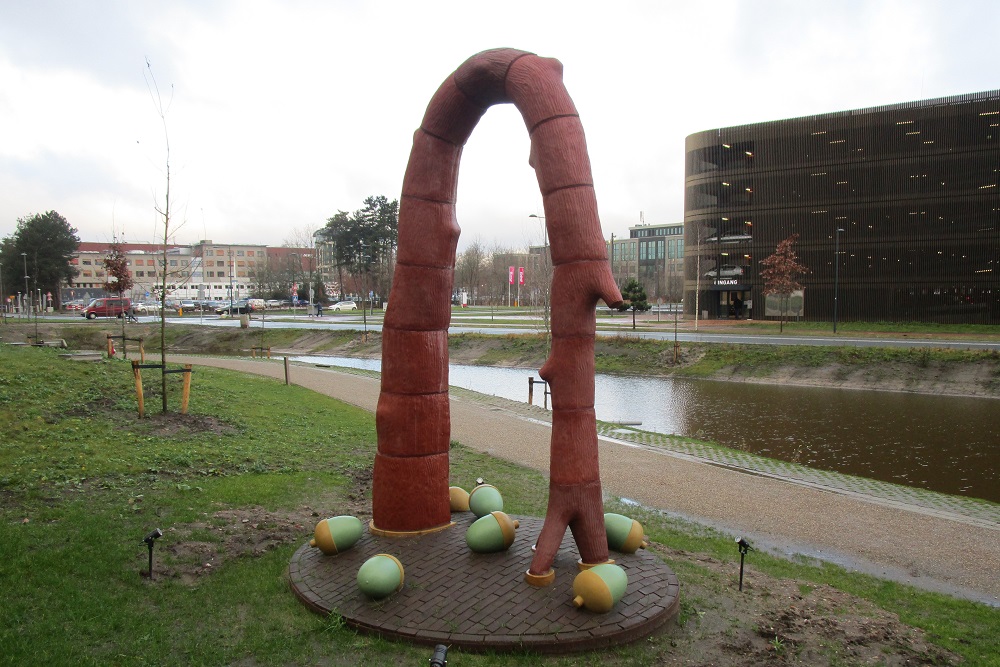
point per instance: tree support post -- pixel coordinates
(138, 385)
(186, 392)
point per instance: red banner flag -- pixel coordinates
(511, 272)
(520, 275)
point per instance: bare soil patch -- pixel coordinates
(783, 621)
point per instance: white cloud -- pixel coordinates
(283, 113)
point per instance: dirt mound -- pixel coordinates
(783, 621)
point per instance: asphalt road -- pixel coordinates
(619, 327)
(355, 322)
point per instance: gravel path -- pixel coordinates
(930, 548)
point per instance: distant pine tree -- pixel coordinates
(634, 296)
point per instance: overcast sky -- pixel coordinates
(281, 113)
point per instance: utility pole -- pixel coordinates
(836, 275)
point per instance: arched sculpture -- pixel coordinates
(413, 419)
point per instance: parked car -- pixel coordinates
(106, 307)
(272, 303)
(725, 271)
(78, 304)
(241, 307)
(344, 305)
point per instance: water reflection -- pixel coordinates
(941, 443)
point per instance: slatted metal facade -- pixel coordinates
(913, 189)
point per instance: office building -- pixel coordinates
(896, 209)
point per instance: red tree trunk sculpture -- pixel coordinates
(413, 420)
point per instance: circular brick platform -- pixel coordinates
(481, 602)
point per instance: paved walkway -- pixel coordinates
(932, 546)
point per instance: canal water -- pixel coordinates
(942, 443)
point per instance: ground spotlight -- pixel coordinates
(150, 540)
(744, 547)
(440, 657)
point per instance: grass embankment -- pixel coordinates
(82, 481)
(628, 355)
(941, 371)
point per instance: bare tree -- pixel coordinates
(164, 213)
(299, 237)
(469, 269)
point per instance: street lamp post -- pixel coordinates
(24, 256)
(545, 275)
(836, 275)
(230, 281)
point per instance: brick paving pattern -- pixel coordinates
(481, 602)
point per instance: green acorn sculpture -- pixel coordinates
(380, 576)
(624, 534)
(491, 533)
(336, 535)
(600, 588)
(484, 499)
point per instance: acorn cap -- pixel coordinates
(458, 498)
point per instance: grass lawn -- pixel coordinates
(237, 486)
